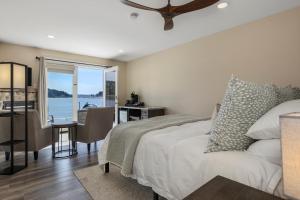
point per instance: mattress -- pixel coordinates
(172, 162)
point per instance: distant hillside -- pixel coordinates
(99, 94)
(52, 93)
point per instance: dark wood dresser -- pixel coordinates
(221, 188)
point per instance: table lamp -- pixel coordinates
(290, 143)
(18, 75)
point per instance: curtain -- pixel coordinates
(42, 93)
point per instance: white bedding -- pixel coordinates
(172, 162)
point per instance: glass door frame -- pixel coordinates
(116, 70)
(86, 66)
(59, 67)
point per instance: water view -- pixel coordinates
(61, 108)
(89, 85)
(61, 87)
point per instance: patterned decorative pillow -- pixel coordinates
(285, 94)
(297, 92)
(214, 116)
(244, 103)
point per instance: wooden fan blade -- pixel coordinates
(136, 5)
(169, 24)
(192, 6)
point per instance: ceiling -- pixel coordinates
(103, 27)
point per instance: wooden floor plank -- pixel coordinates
(49, 178)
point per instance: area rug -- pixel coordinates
(111, 186)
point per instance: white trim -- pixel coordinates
(75, 94)
(46, 98)
(59, 67)
(116, 70)
(90, 67)
(72, 62)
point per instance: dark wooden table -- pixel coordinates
(72, 137)
(224, 189)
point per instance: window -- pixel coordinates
(75, 87)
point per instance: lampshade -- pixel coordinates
(290, 141)
(19, 75)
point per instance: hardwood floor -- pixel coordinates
(49, 179)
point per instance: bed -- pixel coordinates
(172, 162)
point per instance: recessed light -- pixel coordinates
(134, 15)
(121, 51)
(51, 36)
(222, 5)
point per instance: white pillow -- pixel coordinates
(267, 149)
(267, 127)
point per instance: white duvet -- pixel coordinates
(172, 162)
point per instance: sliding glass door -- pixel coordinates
(111, 89)
(90, 87)
(62, 93)
(76, 87)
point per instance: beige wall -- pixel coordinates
(26, 55)
(192, 77)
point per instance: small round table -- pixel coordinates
(58, 129)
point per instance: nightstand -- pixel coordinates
(221, 188)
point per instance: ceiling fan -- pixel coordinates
(169, 12)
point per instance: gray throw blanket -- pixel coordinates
(125, 138)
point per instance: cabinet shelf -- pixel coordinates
(8, 114)
(12, 109)
(8, 143)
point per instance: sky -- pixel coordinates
(90, 81)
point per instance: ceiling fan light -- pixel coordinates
(222, 5)
(168, 12)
